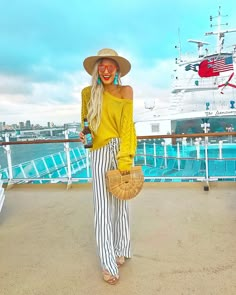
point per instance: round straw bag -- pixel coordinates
(125, 187)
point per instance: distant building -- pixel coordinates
(2, 125)
(22, 125)
(50, 124)
(28, 124)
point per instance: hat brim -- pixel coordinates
(124, 64)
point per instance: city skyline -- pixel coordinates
(28, 124)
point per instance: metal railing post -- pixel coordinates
(165, 153)
(178, 156)
(144, 153)
(88, 163)
(67, 151)
(220, 149)
(2, 193)
(206, 162)
(197, 149)
(154, 154)
(206, 128)
(7, 148)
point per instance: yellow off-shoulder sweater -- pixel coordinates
(116, 122)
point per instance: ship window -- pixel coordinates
(155, 127)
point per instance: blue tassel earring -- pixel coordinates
(116, 81)
(99, 81)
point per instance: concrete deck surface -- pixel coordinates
(183, 241)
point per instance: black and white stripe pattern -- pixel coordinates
(111, 215)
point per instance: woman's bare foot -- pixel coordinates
(109, 278)
(120, 261)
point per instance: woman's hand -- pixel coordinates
(82, 137)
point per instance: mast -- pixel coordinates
(179, 47)
(220, 33)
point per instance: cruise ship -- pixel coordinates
(204, 88)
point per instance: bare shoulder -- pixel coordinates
(127, 92)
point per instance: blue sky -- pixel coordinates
(43, 45)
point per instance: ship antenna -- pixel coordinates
(220, 34)
(180, 53)
(179, 46)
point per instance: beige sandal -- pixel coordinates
(120, 261)
(109, 278)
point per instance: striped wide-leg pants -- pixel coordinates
(111, 215)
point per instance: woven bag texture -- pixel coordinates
(125, 187)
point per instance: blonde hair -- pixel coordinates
(95, 102)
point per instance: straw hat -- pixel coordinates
(125, 187)
(124, 64)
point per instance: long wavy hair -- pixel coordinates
(95, 102)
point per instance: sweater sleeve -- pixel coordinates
(85, 96)
(128, 138)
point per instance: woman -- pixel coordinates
(108, 107)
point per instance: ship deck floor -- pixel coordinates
(183, 241)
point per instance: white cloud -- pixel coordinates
(59, 101)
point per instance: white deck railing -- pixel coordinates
(2, 193)
(188, 158)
